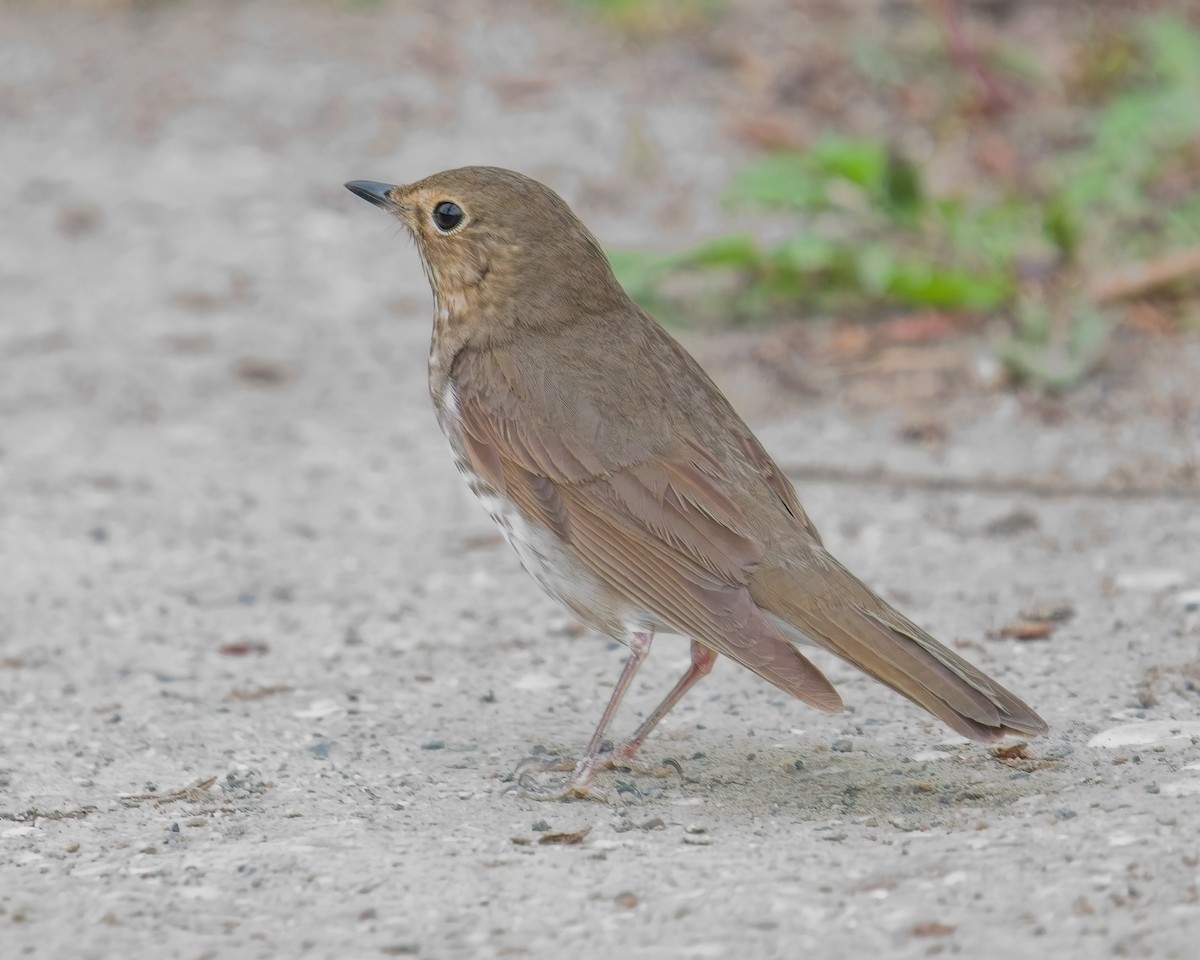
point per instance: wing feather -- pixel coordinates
(661, 532)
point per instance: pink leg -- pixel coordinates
(639, 647)
(581, 777)
(702, 662)
(579, 783)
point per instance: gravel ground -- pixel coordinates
(265, 667)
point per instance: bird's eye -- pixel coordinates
(447, 215)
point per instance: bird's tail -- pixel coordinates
(826, 604)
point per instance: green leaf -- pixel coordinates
(903, 193)
(861, 162)
(1061, 226)
(874, 268)
(924, 284)
(780, 180)
(1055, 359)
(1174, 50)
(738, 250)
(807, 253)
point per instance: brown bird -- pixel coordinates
(629, 487)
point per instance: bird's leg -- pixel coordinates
(702, 662)
(578, 784)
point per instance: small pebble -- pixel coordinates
(841, 746)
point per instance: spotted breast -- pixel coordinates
(544, 555)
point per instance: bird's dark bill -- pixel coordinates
(373, 192)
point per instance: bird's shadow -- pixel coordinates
(811, 782)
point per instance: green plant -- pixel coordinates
(870, 234)
(1054, 347)
(1135, 140)
(652, 16)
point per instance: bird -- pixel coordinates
(631, 490)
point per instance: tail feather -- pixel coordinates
(826, 604)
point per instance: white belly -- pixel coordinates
(552, 563)
(545, 558)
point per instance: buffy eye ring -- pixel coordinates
(447, 215)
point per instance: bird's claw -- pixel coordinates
(541, 764)
(579, 786)
(619, 759)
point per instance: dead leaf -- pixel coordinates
(520, 90)
(481, 541)
(564, 839)
(1054, 613)
(242, 648)
(1026, 630)
(932, 928)
(1011, 754)
(771, 132)
(849, 340)
(924, 327)
(262, 372)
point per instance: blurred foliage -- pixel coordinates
(1054, 348)
(870, 234)
(652, 16)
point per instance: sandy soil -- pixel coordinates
(265, 668)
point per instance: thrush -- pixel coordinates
(628, 486)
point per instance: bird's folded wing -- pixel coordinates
(662, 532)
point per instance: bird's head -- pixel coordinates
(500, 250)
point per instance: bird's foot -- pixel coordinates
(544, 764)
(579, 785)
(623, 757)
